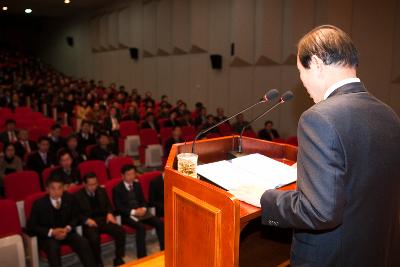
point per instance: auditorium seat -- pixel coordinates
(46, 174)
(145, 180)
(127, 128)
(150, 150)
(292, 140)
(11, 242)
(129, 140)
(115, 164)
(96, 166)
(225, 129)
(19, 185)
(165, 133)
(88, 150)
(66, 131)
(249, 133)
(23, 110)
(212, 135)
(279, 140)
(188, 131)
(45, 123)
(36, 132)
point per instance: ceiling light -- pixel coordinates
(5, 8)
(67, 1)
(28, 11)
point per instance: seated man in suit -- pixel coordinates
(66, 172)
(10, 133)
(56, 141)
(268, 133)
(97, 217)
(156, 195)
(24, 146)
(52, 219)
(72, 147)
(150, 122)
(176, 138)
(104, 150)
(41, 159)
(85, 137)
(130, 204)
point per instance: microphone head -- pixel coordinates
(288, 95)
(271, 95)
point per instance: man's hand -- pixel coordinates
(111, 218)
(139, 212)
(59, 233)
(91, 223)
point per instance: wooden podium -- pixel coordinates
(202, 221)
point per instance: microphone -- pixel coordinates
(269, 96)
(288, 95)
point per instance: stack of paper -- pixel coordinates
(251, 171)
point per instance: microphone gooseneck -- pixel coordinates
(269, 96)
(288, 95)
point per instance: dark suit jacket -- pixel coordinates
(57, 145)
(20, 149)
(73, 178)
(83, 143)
(42, 218)
(146, 125)
(121, 201)
(169, 143)
(36, 163)
(156, 196)
(4, 137)
(99, 153)
(346, 208)
(264, 134)
(85, 210)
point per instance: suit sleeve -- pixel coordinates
(33, 224)
(120, 205)
(319, 200)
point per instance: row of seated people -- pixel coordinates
(54, 216)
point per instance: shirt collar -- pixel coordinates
(127, 185)
(54, 201)
(338, 84)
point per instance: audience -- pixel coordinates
(72, 148)
(53, 220)
(239, 124)
(9, 162)
(41, 159)
(56, 141)
(130, 204)
(24, 146)
(268, 133)
(175, 138)
(85, 137)
(10, 134)
(104, 150)
(94, 111)
(96, 216)
(68, 173)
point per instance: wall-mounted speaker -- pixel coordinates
(70, 41)
(134, 52)
(216, 62)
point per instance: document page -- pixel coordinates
(249, 176)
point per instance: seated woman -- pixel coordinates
(9, 163)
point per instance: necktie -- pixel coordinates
(58, 204)
(130, 188)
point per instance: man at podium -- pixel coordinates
(346, 209)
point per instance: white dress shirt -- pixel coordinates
(338, 84)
